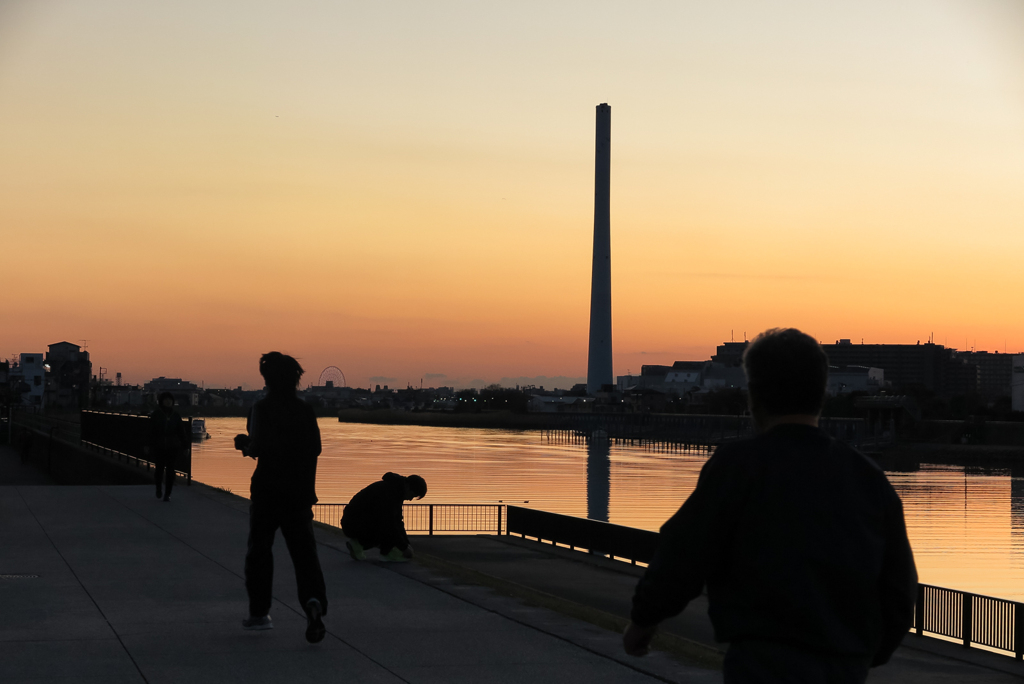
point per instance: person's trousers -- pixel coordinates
(769, 662)
(297, 529)
(369, 537)
(164, 473)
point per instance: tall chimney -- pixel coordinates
(599, 363)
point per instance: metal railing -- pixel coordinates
(124, 436)
(972, 619)
(619, 542)
(56, 427)
(431, 518)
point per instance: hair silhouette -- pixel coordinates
(280, 372)
(787, 371)
(417, 485)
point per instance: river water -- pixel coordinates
(966, 527)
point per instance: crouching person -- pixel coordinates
(374, 517)
(285, 441)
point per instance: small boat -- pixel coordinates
(199, 432)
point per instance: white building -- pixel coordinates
(33, 373)
(1017, 383)
(684, 377)
(847, 379)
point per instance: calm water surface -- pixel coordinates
(967, 529)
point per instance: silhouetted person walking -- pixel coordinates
(799, 539)
(285, 441)
(374, 517)
(168, 438)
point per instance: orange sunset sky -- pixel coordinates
(404, 190)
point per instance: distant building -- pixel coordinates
(853, 368)
(947, 372)
(994, 372)
(730, 353)
(684, 377)
(68, 380)
(1017, 382)
(652, 377)
(849, 379)
(563, 404)
(905, 365)
(719, 376)
(185, 393)
(32, 372)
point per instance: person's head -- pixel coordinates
(280, 372)
(415, 487)
(166, 401)
(787, 372)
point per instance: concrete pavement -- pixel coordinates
(603, 590)
(109, 584)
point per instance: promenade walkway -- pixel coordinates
(108, 584)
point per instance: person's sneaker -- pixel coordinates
(167, 498)
(355, 550)
(394, 556)
(315, 629)
(263, 622)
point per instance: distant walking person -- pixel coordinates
(800, 540)
(374, 517)
(285, 441)
(168, 438)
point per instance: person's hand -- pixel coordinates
(637, 640)
(242, 443)
(408, 552)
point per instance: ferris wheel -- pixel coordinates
(333, 375)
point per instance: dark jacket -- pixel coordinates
(168, 436)
(285, 440)
(375, 513)
(798, 538)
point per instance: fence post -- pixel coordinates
(1018, 630)
(499, 520)
(431, 527)
(919, 610)
(966, 627)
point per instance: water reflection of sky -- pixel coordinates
(967, 528)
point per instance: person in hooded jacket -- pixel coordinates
(284, 438)
(168, 438)
(374, 517)
(799, 539)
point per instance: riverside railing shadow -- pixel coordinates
(124, 436)
(972, 619)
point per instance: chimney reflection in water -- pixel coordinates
(1017, 505)
(599, 475)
